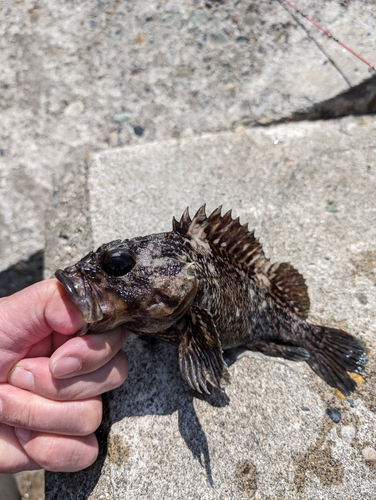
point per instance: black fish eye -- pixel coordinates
(117, 262)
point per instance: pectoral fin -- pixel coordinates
(200, 352)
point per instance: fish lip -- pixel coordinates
(68, 284)
(73, 280)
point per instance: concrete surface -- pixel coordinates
(82, 76)
(8, 486)
(308, 189)
(78, 77)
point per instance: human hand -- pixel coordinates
(51, 381)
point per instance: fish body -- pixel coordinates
(206, 286)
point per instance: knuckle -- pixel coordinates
(24, 416)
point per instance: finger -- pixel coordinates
(20, 408)
(27, 317)
(58, 453)
(80, 355)
(13, 458)
(42, 348)
(34, 375)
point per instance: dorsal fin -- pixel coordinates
(235, 243)
(182, 226)
(226, 237)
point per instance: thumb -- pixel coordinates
(31, 315)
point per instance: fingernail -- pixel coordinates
(23, 435)
(66, 366)
(22, 378)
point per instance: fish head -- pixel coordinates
(140, 282)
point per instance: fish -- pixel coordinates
(206, 287)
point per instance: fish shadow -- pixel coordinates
(154, 387)
(154, 369)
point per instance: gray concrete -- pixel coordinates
(8, 487)
(309, 190)
(77, 77)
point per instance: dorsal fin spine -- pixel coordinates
(236, 244)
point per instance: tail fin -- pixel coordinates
(334, 353)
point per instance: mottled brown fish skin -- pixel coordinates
(207, 286)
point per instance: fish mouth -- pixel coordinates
(81, 293)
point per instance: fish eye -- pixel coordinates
(117, 262)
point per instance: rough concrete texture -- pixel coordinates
(82, 76)
(309, 190)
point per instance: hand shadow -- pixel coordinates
(154, 387)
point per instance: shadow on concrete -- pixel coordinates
(358, 100)
(154, 387)
(22, 274)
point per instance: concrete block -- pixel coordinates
(87, 76)
(309, 190)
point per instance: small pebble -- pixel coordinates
(138, 131)
(348, 433)
(121, 117)
(251, 19)
(369, 454)
(304, 408)
(330, 207)
(239, 128)
(334, 415)
(7, 94)
(74, 109)
(240, 39)
(141, 39)
(220, 38)
(34, 15)
(184, 72)
(199, 17)
(362, 298)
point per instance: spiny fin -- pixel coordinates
(200, 353)
(333, 354)
(235, 243)
(225, 235)
(183, 225)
